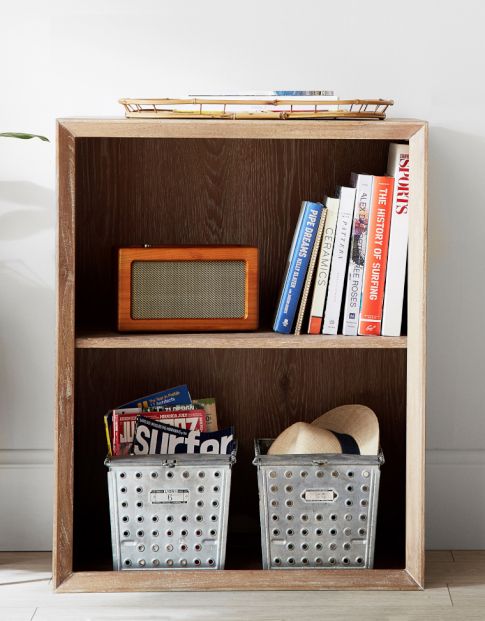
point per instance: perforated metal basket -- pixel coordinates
(169, 511)
(317, 510)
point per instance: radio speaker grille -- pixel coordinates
(188, 289)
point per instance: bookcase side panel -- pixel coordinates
(64, 420)
(416, 366)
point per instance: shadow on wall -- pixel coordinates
(456, 295)
(27, 313)
(456, 337)
(22, 222)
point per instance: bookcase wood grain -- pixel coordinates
(129, 182)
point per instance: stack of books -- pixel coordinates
(346, 268)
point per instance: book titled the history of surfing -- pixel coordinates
(358, 245)
(397, 167)
(297, 265)
(124, 423)
(338, 268)
(376, 256)
(153, 437)
(179, 395)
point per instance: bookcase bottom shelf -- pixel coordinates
(260, 392)
(239, 580)
(242, 572)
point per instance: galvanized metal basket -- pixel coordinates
(169, 511)
(317, 511)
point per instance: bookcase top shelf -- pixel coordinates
(236, 340)
(389, 129)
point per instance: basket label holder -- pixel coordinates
(319, 495)
(169, 496)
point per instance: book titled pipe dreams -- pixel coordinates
(297, 265)
(153, 437)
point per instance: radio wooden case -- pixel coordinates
(188, 288)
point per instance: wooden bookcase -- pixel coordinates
(127, 182)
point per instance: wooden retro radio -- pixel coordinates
(188, 288)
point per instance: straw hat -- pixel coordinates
(347, 429)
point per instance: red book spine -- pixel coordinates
(376, 256)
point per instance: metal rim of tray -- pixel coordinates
(343, 109)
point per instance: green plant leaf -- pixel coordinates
(23, 136)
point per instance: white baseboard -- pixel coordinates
(26, 457)
(26, 497)
(455, 499)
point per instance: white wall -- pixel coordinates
(64, 58)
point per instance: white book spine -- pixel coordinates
(397, 167)
(358, 244)
(323, 266)
(339, 261)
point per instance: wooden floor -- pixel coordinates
(455, 590)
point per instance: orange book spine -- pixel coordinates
(315, 326)
(376, 256)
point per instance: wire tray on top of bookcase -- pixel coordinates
(284, 108)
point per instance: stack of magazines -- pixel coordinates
(258, 101)
(349, 256)
(167, 422)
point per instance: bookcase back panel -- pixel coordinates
(133, 191)
(260, 392)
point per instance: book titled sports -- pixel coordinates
(358, 245)
(338, 268)
(323, 266)
(376, 256)
(397, 167)
(298, 261)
